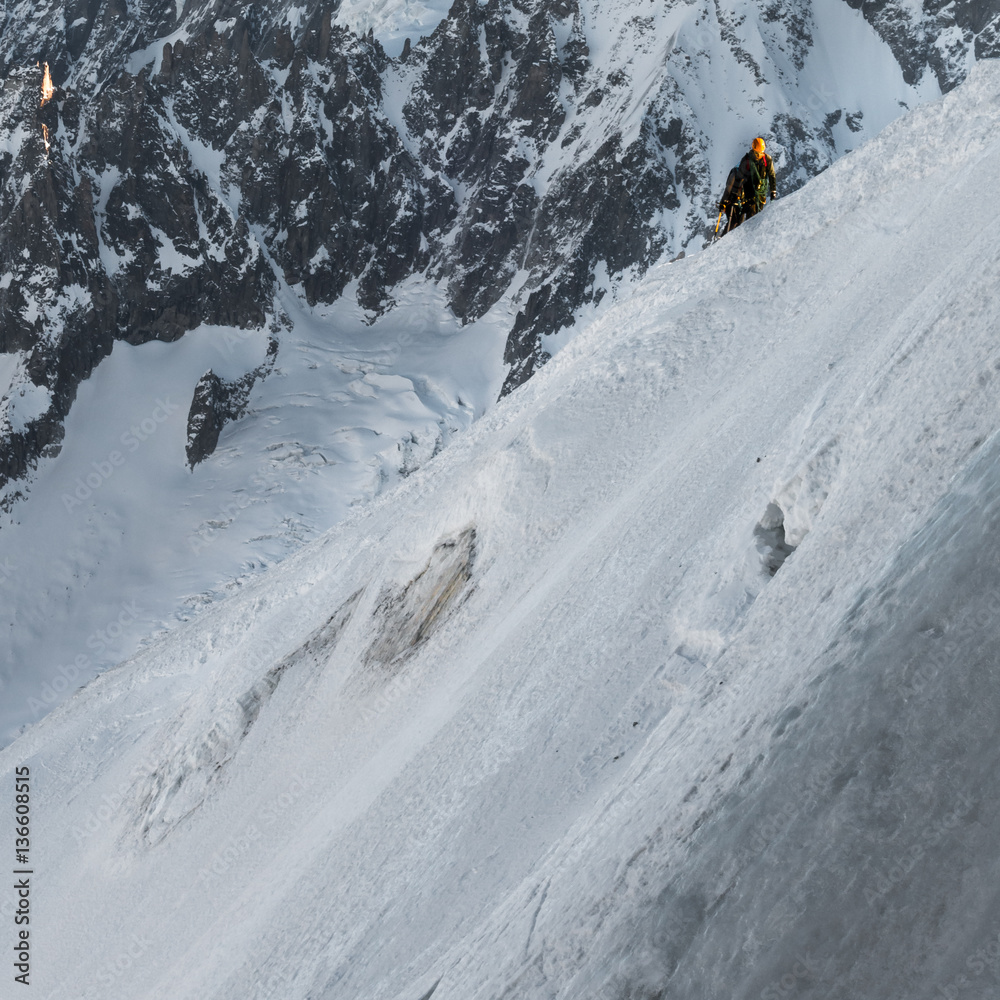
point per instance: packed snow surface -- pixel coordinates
(675, 675)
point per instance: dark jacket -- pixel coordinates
(733, 193)
(757, 177)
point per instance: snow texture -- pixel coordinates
(674, 675)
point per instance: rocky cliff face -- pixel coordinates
(190, 164)
(936, 38)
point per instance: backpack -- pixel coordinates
(754, 174)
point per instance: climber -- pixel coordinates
(756, 170)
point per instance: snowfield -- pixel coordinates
(392, 21)
(673, 676)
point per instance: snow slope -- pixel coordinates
(552, 718)
(98, 556)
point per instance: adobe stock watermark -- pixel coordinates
(233, 338)
(941, 657)
(99, 641)
(112, 802)
(270, 983)
(109, 971)
(399, 687)
(402, 684)
(785, 985)
(819, 100)
(806, 798)
(983, 959)
(132, 440)
(264, 480)
(228, 513)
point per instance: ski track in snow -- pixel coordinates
(539, 722)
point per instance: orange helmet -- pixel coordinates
(758, 145)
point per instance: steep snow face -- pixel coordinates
(673, 675)
(348, 257)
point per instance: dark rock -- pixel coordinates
(215, 403)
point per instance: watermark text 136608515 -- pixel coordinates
(22, 875)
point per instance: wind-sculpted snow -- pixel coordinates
(627, 739)
(388, 241)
